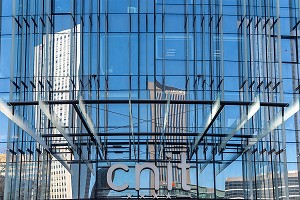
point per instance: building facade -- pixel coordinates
(234, 187)
(130, 85)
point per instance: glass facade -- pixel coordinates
(136, 99)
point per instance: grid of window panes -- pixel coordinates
(75, 80)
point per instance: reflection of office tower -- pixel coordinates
(2, 174)
(101, 188)
(263, 187)
(58, 55)
(172, 125)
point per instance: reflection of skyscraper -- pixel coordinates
(59, 56)
(170, 121)
(2, 174)
(101, 188)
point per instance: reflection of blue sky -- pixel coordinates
(62, 6)
(6, 8)
(5, 58)
(3, 132)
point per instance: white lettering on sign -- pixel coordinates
(140, 167)
(109, 177)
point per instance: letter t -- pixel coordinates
(184, 166)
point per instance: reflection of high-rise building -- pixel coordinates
(60, 45)
(263, 187)
(170, 121)
(101, 188)
(206, 193)
(2, 174)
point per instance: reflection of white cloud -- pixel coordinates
(4, 96)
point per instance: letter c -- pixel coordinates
(109, 177)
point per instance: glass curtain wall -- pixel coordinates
(86, 84)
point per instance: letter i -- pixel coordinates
(169, 173)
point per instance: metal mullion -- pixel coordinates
(49, 27)
(22, 69)
(244, 74)
(249, 55)
(186, 108)
(281, 86)
(90, 72)
(277, 143)
(18, 161)
(90, 51)
(20, 169)
(296, 116)
(139, 64)
(252, 73)
(195, 84)
(98, 114)
(221, 50)
(261, 164)
(106, 69)
(37, 174)
(96, 176)
(197, 172)
(130, 81)
(247, 167)
(30, 172)
(48, 177)
(74, 74)
(273, 169)
(214, 175)
(187, 56)
(217, 72)
(81, 74)
(203, 60)
(148, 95)
(239, 33)
(211, 50)
(163, 53)
(52, 41)
(24, 143)
(155, 92)
(270, 111)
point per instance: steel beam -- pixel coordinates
(88, 124)
(215, 111)
(116, 134)
(239, 123)
(147, 101)
(28, 128)
(56, 122)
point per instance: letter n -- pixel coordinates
(139, 168)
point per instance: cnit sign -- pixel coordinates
(140, 167)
